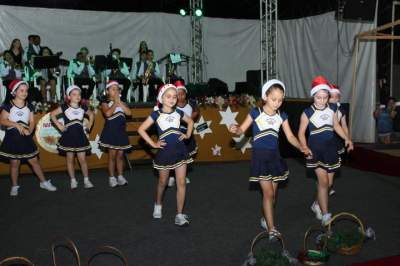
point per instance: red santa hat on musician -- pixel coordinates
(180, 85)
(334, 89)
(319, 83)
(15, 84)
(161, 92)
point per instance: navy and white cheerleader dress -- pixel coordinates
(16, 146)
(322, 140)
(190, 143)
(73, 139)
(114, 135)
(174, 153)
(266, 161)
(341, 112)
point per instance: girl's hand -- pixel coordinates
(349, 145)
(183, 136)
(234, 129)
(307, 152)
(20, 129)
(159, 144)
(26, 132)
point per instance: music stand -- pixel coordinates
(43, 62)
(128, 61)
(100, 62)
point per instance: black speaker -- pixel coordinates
(253, 79)
(359, 10)
(217, 87)
(241, 88)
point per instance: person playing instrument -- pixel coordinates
(149, 74)
(119, 72)
(81, 72)
(9, 70)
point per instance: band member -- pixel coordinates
(48, 78)
(149, 74)
(118, 71)
(33, 48)
(9, 70)
(81, 72)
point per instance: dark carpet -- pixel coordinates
(224, 215)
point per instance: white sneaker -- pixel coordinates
(263, 223)
(187, 180)
(74, 183)
(14, 191)
(171, 181)
(181, 220)
(47, 185)
(87, 183)
(326, 218)
(157, 211)
(112, 181)
(122, 181)
(317, 210)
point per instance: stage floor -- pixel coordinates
(224, 216)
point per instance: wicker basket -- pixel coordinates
(355, 248)
(306, 235)
(260, 236)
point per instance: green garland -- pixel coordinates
(344, 239)
(271, 258)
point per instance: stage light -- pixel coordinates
(182, 12)
(198, 12)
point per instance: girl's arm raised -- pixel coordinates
(142, 132)
(53, 116)
(239, 130)
(190, 124)
(292, 139)
(125, 108)
(107, 110)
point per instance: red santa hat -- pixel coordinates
(71, 88)
(161, 92)
(268, 85)
(180, 85)
(14, 85)
(319, 83)
(112, 83)
(334, 89)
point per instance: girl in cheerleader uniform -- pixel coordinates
(322, 121)
(73, 139)
(192, 112)
(172, 153)
(267, 166)
(342, 119)
(114, 137)
(18, 146)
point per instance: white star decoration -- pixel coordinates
(228, 117)
(246, 145)
(203, 131)
(216, 150)
(95, 147)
